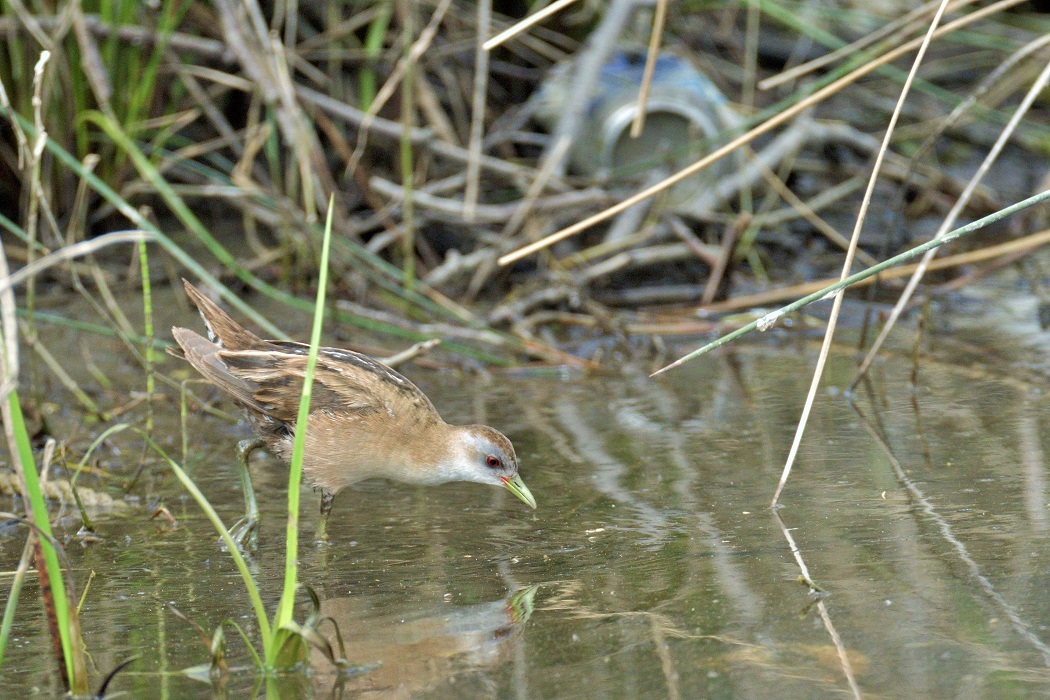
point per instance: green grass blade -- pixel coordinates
(72, 648)
(147, 323)
(285, 608)
(242, 567)
(12, 604)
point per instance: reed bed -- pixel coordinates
(260, 118)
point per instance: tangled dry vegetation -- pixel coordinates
(442, 156)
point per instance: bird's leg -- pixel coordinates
(245, 531)
(326, 508)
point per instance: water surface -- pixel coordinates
(653, 567)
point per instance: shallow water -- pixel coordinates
(653, 567)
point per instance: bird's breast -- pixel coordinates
(341, 450)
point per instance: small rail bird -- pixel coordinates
(366, 421)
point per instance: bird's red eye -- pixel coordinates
(493, 462)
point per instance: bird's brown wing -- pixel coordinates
(344, 382)
(361, 370)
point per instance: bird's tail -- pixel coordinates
(222, 329)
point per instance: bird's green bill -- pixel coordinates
(519, 489)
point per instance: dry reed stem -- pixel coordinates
(752, 19)
(9, 367)
(825, 617)
(70, 252)
(655, 38)
(869, 192)
(524, 24)
(477, 112)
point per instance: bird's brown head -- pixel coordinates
(486, 456)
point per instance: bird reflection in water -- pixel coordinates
(399, 654)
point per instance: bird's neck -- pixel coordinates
(435, 456)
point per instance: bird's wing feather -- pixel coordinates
(222, 329)
(204, 355)
(344, 382)
(268, 379)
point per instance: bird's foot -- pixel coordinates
(321, 537)
(245, 533)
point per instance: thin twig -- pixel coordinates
(659, 19)
(524, 24)
(729, 238)
(411, 353)
(825, 617)
(477, 111)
